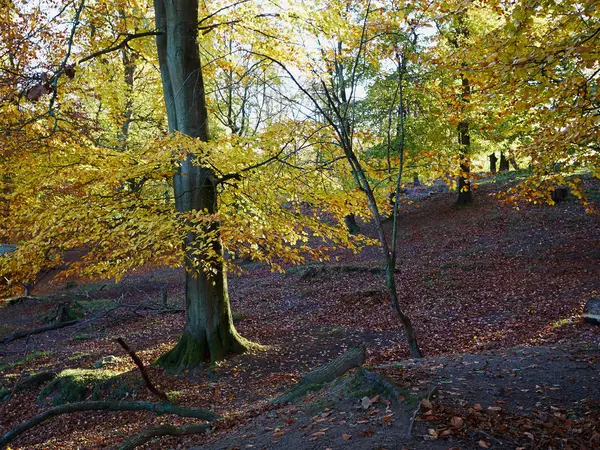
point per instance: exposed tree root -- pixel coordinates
(162, 430)
(354, 357)
(431, 394)
(191, 352)
(156, 408)
(138, 362)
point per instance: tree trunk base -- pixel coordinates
(351, 225)
(190, 352)
(465, 198)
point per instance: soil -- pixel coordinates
(496, 296)
(517, 382)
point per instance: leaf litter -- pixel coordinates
(496, 297)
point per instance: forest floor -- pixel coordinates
(495, 293)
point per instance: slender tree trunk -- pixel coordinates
(503, 163)
(493, 160)
(409, 329)
(390, 254)
(128, 76)
(209, 334)
(465, 196)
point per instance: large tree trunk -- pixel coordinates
(209, 334)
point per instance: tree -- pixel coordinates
(335, 78)
(535, 74)
(209, 333)
(76, 186)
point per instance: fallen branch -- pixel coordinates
(138, 362)
(156, 408)
(354, 357)
(26, 333)
(162, 430)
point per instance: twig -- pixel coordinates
(489, 436)
(66, 58)
(123, 43)
(429, 396)
(138, 362)
(12, 392)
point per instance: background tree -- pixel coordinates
(338, 66)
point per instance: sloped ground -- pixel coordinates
(480, 399)
(477, 279)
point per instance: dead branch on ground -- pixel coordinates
(138, 362)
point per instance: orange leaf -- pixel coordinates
(346, 437)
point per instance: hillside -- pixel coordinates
(495, 294)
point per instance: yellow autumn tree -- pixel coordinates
(93, 163)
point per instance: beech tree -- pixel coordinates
(76, 186)
(209, 332)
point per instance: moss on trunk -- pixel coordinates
(192, 351)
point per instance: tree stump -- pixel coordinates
(351, 224)
(164, 296)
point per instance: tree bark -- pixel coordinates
(354, 357)
(351, 225)
(493, 160)
(162, 430)
(465, 196)
(209, 334)
(503, 163)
